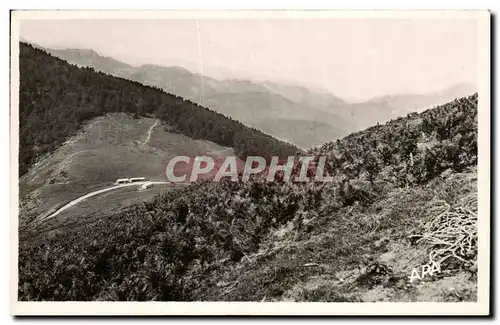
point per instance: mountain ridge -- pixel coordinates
(343, 115)
(190, 85)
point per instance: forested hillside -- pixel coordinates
(398, 189)
(56, 98)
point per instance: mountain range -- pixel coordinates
(291, 113)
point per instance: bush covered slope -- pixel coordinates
(56, 98)
(354, 239)
(410, 150)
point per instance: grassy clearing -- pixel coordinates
(107, 148)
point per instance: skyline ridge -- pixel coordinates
(256, 81)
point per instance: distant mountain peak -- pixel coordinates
(85, 52)
(174, 68)
(88, 57)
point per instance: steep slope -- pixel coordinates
(357, 238)
(56, 98)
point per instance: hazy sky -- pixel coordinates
(354, 59)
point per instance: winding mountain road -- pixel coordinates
(86, 196)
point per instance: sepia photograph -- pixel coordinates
(250, 162)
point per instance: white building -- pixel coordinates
(122, 181)
(137, 179)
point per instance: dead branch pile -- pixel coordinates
(453, 232)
